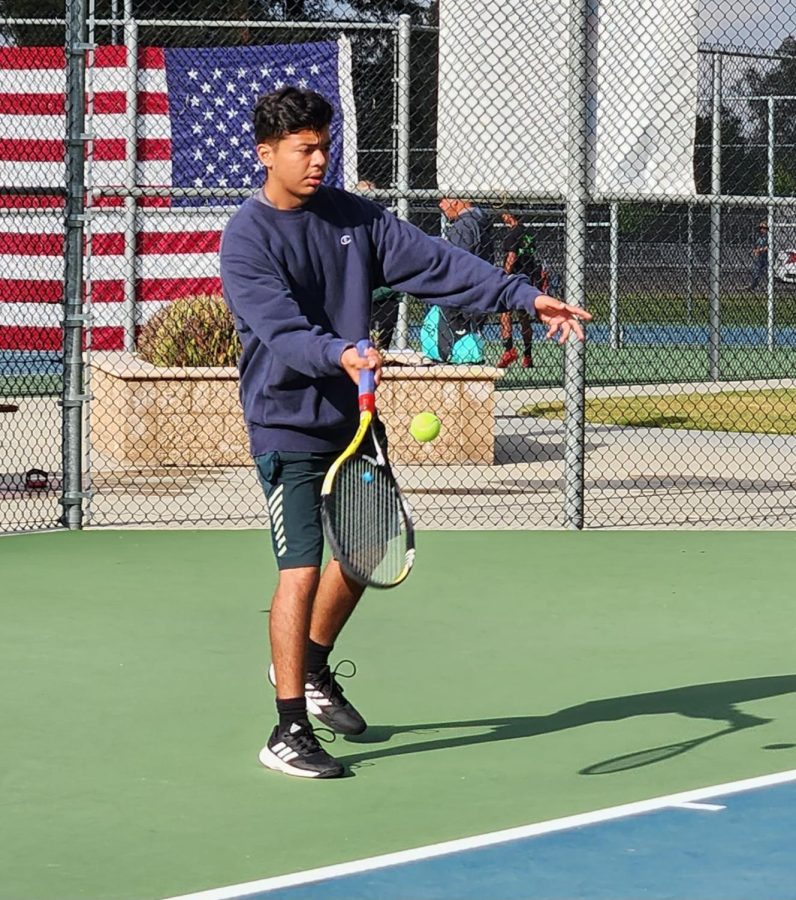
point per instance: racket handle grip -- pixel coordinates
(367, 381)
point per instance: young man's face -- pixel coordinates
(296, 165)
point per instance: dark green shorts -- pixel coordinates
(292, 484)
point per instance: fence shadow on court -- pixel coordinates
(715, 702)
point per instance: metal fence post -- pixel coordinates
(577, 197)
(403, 137)
(72, 397)
(131, 47)
(689, 291)
(616, 331)
(714, 290)
(770, 219)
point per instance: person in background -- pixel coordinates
(519, 258)
(760, 254)
(470, 228)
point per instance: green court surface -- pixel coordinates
(29, 385)
(660, 364)
(507, 672)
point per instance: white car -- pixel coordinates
(785, 266)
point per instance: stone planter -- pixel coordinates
(159, 416)
(462, 396)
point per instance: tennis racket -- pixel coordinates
(366, 520)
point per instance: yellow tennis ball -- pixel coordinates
(425, 427)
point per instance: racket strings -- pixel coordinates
(368, 521)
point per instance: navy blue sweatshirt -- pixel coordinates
(298, 283)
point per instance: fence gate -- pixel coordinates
(32, 231)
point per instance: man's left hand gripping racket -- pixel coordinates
(367, 521)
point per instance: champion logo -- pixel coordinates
(345, 239)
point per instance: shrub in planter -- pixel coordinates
(191, 331)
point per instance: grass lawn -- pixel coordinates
(758, 412)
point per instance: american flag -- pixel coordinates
(191, 129)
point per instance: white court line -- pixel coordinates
(708, 807)
(49, 529)
(486, 840)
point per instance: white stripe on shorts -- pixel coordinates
(277, 520)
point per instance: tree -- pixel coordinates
(33, 35)
(421, 11)
(779, 80)
(743, 167)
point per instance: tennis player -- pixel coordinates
(299, 261)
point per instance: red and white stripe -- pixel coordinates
(176, 250)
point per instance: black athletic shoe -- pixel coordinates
(326, 702)
(296, 751)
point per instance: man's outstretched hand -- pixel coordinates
(561, 318)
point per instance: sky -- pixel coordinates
(759, 24)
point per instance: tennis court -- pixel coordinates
(554, 714)
(516, 679)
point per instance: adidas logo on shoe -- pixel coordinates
(296, 751)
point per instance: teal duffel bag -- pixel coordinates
(451, 336)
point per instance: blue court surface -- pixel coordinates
(728, 841)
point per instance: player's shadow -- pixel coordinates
(715, 702)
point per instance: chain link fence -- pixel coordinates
(32, 199)
(638, 159)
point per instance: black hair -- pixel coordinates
(287, 111)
